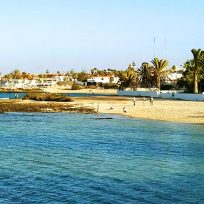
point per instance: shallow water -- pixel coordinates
(12, 95)
(75, 158)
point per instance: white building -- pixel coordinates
(102, 79)
(48, 82)
(177, 74)
(31, 83)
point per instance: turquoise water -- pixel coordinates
(74, 158)
(11, 95)
(85, 94)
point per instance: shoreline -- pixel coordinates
(188, 112)
(162, 110)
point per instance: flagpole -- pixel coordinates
(165, 47)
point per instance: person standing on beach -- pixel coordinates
(134, 100)
(97, 109)
(144, 100)
(151, 101)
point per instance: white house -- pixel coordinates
(26, 83)
(17, 83)
(102, 79)
(59, 78)
(47, 82)
(177, 74)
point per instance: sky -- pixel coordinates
(60, 35)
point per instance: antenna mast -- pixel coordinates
(165, 47)
(154, 46)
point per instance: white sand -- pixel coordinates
(167, 110)
(94, 91)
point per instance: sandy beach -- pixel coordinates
(166, 110)
(90, 91)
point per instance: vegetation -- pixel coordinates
(75, 87)
(110, 86)
(82, 76)
(197, 59)
(129, 78)
(16, 74)
(47, 97)
(91, 87)
(147, 78)
(160, 70)
(193, 73)
(12, 106)
(187, 81)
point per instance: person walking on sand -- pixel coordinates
(144, 100)
(151, 100)
(134, 100)
(97, 109)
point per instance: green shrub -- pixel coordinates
(167, 87)
(91, 87)
(47, 97)
(76, 87)
(110, 86)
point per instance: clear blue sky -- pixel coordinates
(36, 35)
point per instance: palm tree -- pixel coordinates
(147, 78)
(160, 69)
(201, 61)
(94, 71)
(8, 76)
(16, 74)
(186, 81)
(197, 56)
(128, 78)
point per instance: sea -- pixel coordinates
(20, 95)
(87, 158)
